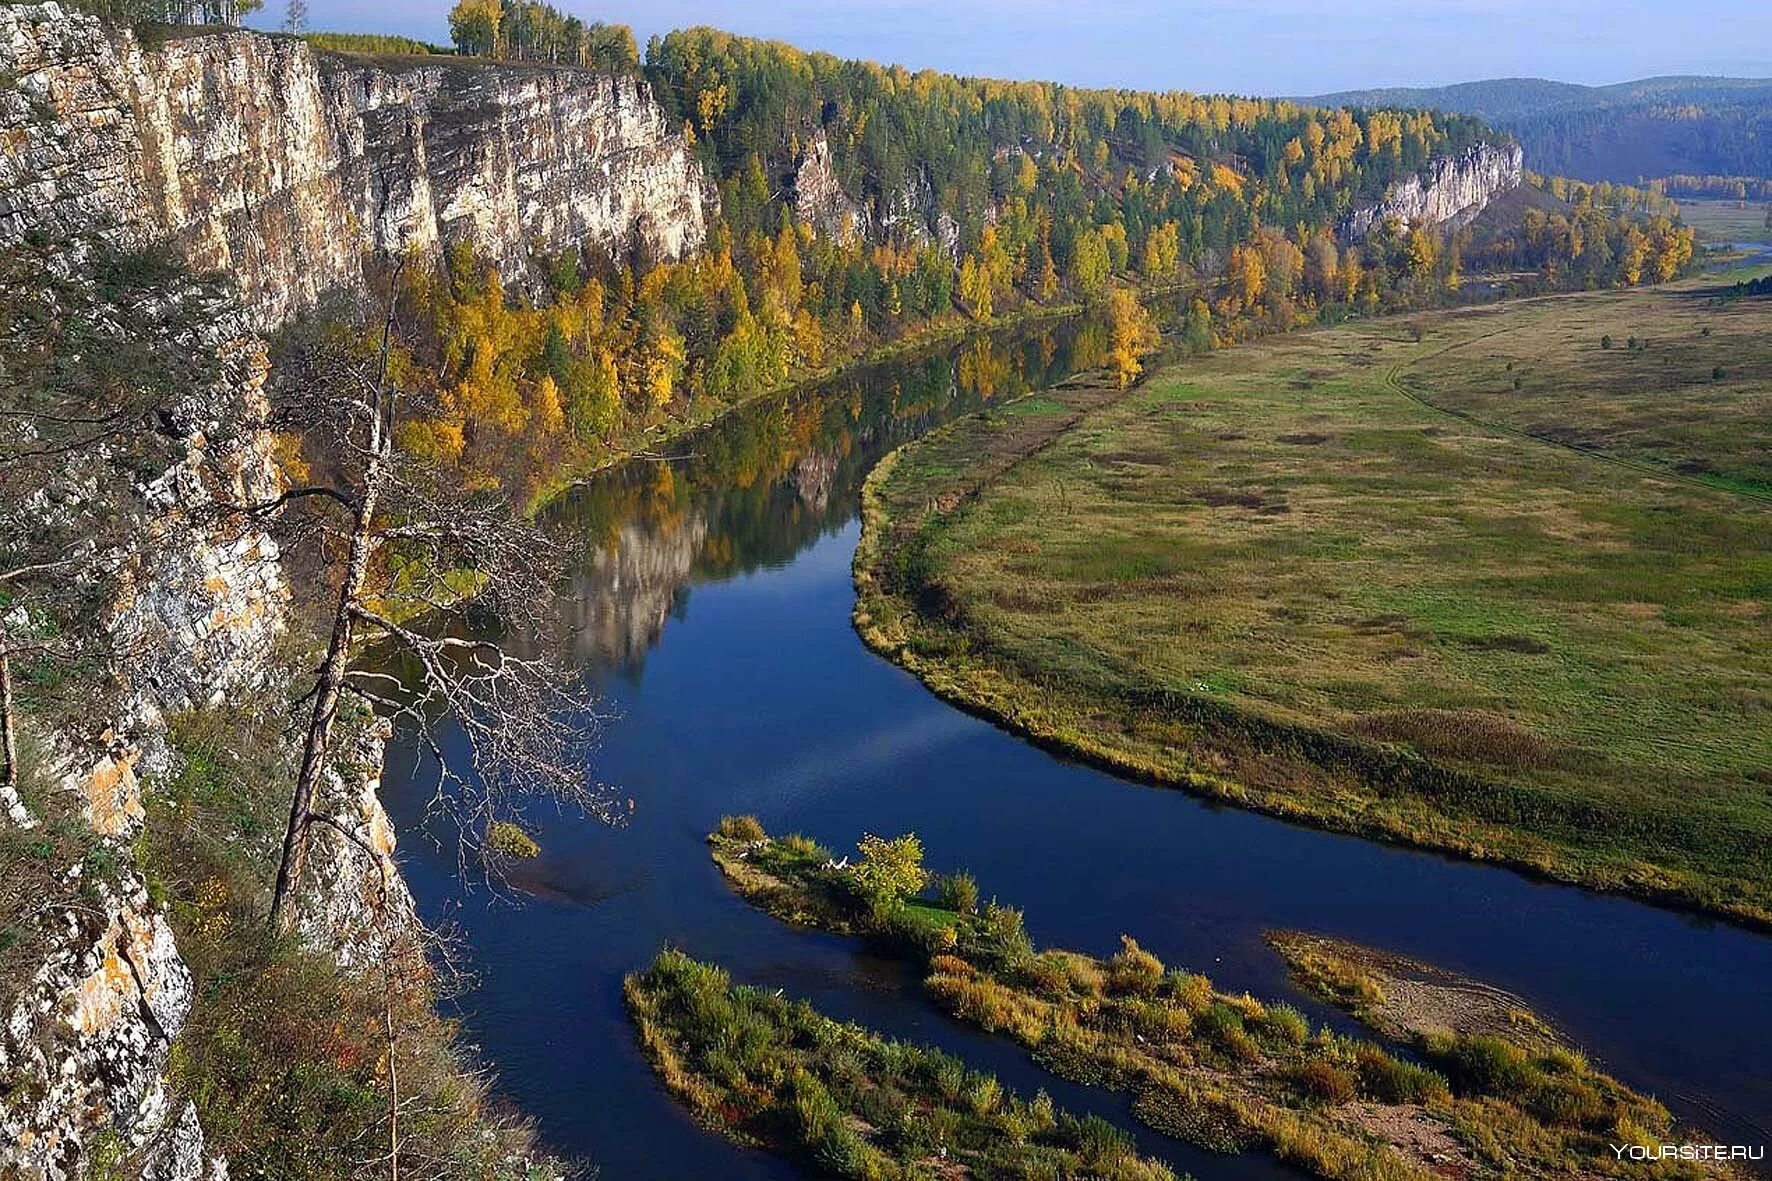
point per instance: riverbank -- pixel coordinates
(774, 1073)
(928, 335)
(1428, 579)
(1407, 999)
(1222, 1070)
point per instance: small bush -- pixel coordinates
(1284, 1024)
(1486, 1064)
(1324, 1082)
(1163, 1022)
(889, 870)
(985, 1094)
(742, 828)
(1133, 969)
(1606, 342)
(1570, 1102)
(504, 839)
(800, 847)
(1191, 989)
(1716, 373)
(999, 938)
(959, 893)
(1223, 1026)
(1045, 975)
(1391, 1080)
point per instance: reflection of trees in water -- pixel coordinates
(760, 486)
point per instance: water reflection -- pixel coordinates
(758, 697)
(757, 488)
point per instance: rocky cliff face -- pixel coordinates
(1450, 193)
(819, 197)
(196, 609)
(909, 215)
(283, 168)
(198, 604)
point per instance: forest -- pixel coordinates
(961, 201)
(1627, 131)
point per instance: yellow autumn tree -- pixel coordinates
(661, 367)
(975, 287)
(1247, 277)
(1089, 262)
(547, 414)
(1162, 253)
(1132, 335)
(1422, 251)
(1633, 254)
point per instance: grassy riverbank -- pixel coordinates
(1404, 999)
(1226, 1071)
(1492, 581)
(773, 1072)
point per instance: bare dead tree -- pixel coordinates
(449, 584)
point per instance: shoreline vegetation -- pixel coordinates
(642, 442)
(1400, 998)
(773, 1073)
(1403, 579)
(1224, 1071)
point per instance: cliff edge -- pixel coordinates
(281, 167)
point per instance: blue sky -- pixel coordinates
(1244, 46)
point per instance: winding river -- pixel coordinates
(712, 612)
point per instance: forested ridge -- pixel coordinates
(1630, 131)
(863, 204)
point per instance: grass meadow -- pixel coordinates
(1726, 221)
(1492, 580)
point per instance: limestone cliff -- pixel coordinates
(196, 607)
(1449, 193)
(281, 170)
(908, 214)
(198, 603)
(819, 197)
(281, 167)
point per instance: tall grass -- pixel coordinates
(1225, 1069)
(849, 1102)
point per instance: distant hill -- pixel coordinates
(1652, 127)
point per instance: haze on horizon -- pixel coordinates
(1240, 46)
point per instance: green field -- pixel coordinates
(1468, 580)
(1726, 221)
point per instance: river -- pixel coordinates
(711, 610)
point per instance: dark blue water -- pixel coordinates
(713, 612)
